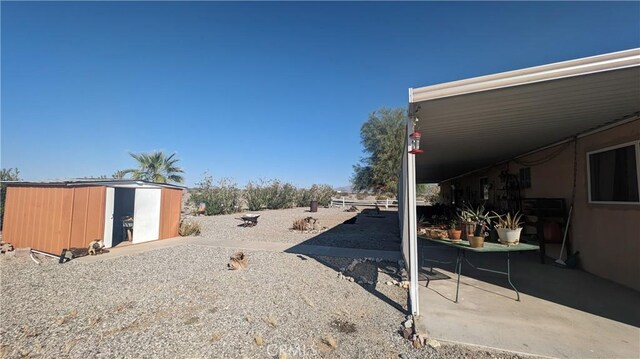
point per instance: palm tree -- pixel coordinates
(119, 174)
(156, 167)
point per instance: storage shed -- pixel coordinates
(52, 216)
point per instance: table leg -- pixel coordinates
(458, 270)
(509, 277)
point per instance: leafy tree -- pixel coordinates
(382, 137)
(119, 174)
(430, 192)
(6, 174)
(156, 167)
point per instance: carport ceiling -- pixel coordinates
(466, 130)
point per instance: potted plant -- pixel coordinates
(465, 220)
(480, 220)
(454, 232)
(509, 227)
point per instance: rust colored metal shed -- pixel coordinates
(52, 216)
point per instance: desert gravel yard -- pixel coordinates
(183, 302)
(369, 231)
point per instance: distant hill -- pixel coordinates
(343, 189)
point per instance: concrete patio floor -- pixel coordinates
(562, 312)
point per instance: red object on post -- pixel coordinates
(415, 143)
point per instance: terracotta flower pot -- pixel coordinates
(455, 234)
(476, 241)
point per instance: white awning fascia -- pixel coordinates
(588, 65)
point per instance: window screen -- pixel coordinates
(614, 175)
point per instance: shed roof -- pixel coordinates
(478, 122)
(125, 183)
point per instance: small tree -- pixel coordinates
(6, 174)
(382, 137)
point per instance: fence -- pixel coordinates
(386, 203)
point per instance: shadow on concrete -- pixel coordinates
(569, 287)
(375, 234)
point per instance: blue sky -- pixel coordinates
(255, 90)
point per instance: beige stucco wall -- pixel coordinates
(607, 235)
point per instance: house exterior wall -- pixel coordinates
(50, 219)
(170, 208)
(607, 235)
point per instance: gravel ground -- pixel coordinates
(369, 232)
(183, 302)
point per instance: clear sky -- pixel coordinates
(255, 90)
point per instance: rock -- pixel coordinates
(238, 261)
(433, 343)
(417, 343)
(330, 341)
(388, 283)
(406, 333)
(22, 252)
(392, 270)
(403, 273)
(258, 339)
(351, 279)
(353, 264)
(408, 323)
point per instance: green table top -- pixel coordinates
(488, 246)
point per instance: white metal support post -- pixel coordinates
(410, 208)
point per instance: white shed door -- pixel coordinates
(108, 217)
(146, 215)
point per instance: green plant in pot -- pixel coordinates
(455, 233)
(480, 219)
(465, 221)
(509, 227)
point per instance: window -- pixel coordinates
(484, 188)
(525, 177)
(613, 174)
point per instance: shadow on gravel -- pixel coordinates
(370, 231)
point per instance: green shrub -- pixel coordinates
(221, 198)
(189, 229)
(256, 196)
(317, 192)
(281, 195)
(272, 194)
(303, 197)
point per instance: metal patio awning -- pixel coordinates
(475, 123)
